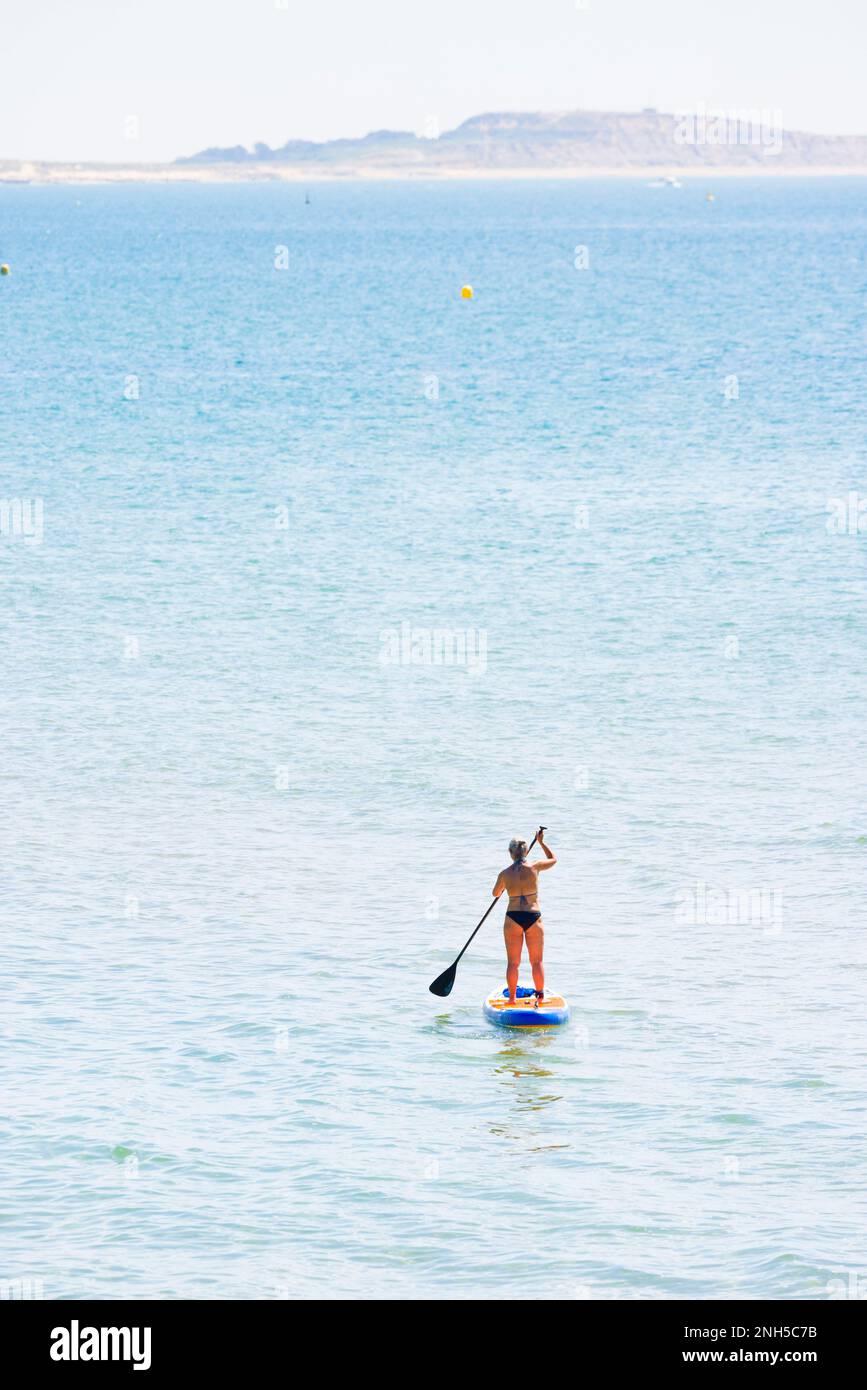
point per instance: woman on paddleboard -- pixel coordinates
(523, 918)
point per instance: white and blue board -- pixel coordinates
(551, 1012)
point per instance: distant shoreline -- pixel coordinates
(500, 145)
(53, 174)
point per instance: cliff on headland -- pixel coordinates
(566, 141)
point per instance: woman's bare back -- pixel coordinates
(521, 883)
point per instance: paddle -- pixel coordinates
(442, 985)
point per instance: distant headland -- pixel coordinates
(561, 144)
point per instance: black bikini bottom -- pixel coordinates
(524, 919)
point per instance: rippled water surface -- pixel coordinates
(239, 840)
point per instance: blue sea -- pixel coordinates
(320, 582)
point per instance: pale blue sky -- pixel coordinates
(220, 72)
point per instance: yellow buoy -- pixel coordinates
(466, 292)
(4, 269)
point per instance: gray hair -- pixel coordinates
(518, 850)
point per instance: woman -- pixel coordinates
(523, 918)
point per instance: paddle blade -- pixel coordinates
(442, 985)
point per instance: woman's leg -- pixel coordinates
(514, 938)
(535, 945)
